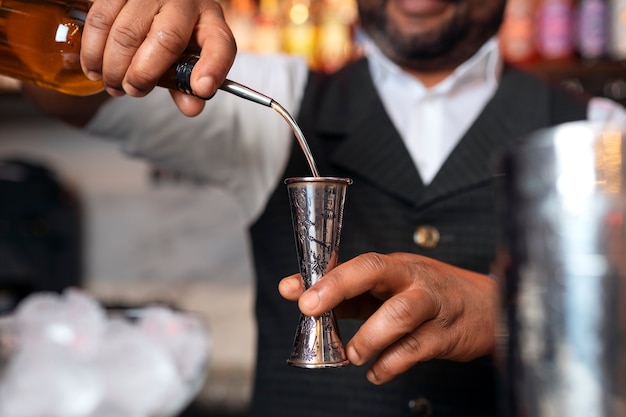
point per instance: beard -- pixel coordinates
(443, 47)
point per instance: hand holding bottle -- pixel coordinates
(129, 44)
(125, 46)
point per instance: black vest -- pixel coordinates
(350, 135)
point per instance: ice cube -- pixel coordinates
(182, 335)
(74, 320)
(48, 381)
(137, 374)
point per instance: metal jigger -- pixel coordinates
(317, 214)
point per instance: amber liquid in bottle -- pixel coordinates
(40, 44)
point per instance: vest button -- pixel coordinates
(421, 407)
(426, 237)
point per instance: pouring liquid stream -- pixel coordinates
(252, 95)
(299, 136)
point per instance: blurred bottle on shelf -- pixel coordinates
(517, 35)
(268, 26)
(617, 28)
(555, 29)
(592, 34)
(300, 31)
(336, 33)
(321, 31)
(241, 15)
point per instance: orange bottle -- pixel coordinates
(517, 35)
(40, 43)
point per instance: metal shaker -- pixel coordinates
(564, 298)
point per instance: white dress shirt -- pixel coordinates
(431, 121)
(243, 146)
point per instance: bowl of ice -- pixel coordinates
(65, 355)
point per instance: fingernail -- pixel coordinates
(310, 299)
(94, 76)
(204, 85)
(371, 377)
(115, 92)
(353, 355)
(286, 286)
(293, 285)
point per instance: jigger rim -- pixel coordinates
(293, 180)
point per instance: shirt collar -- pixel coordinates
(485, 66)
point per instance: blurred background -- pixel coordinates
(75, 211)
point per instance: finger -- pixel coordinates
(188, 105)
(462, 333)
(429, 341)
(128, 32)
(218, 49)
(397, 317)
(98, 25)
(167, 38)
(418, 346)
(291, 287)
(359, 275)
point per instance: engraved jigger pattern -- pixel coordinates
(317, 214)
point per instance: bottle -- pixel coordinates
(617, 29)
(240, 16)
(336, 33)
(301, 29)
(40, 44)
(592, 33)
(517, 35)
(555, 37)
(268, 28)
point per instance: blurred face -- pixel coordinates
(430, 35)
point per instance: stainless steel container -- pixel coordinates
(564, 344)
(317, 215)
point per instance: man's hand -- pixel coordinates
(415, 309)
(129, 44)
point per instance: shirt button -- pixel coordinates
(426, 237)
(421, 407)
